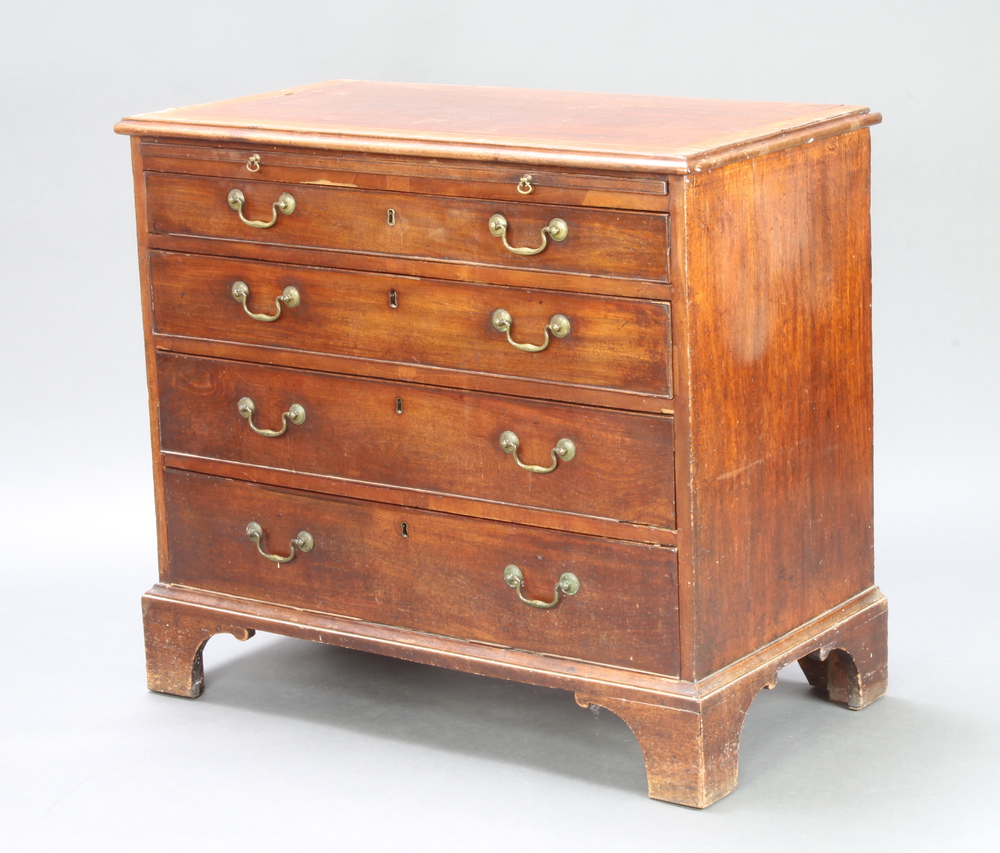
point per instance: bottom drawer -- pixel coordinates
(426, 571)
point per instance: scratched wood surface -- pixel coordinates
(612, 343)
(636, 132)
(440, 574)
(779, 391)
(599, 242)
(717, 384)
(435, 439)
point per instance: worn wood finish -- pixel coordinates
(415, 267)
(587, 525)
(639, 133)
(462, 180)
(424, 571)
(692, 755)
(533, 389)
(442, 441)
(780, 393)
(599, 242)
(717, 275)
(689, 733)
(692, 749)
(175, 640)
(149, 346)
(864, 615)
(617, 344)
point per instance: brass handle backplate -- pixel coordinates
(564, 450)
(289, 296)
(558, 326)
(285, 204)
(295, 414)
(557, 229)
(303, 542)
(568, 584)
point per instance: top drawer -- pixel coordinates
(456, 178)
(600, 242)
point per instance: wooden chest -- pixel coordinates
(570, 389)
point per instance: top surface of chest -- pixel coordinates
(642, 133)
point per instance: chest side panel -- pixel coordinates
(778, 306)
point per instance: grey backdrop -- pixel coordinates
(297, 745)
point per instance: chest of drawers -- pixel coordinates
(570, 389)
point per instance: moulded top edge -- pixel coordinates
(630, 133)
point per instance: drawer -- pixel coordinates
(597, 242)
(611, 343)
(426, 571)
(415, 437)
(618, 190)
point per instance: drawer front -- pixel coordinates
(611, 343)
(597, 242)
(439, 574)
(415, 437)
(619, 190)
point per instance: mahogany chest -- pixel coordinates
(569, 389)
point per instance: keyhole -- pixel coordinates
(390, 216)
(399, 405)
(393, 300)
(403, 531)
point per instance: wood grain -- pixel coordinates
(845, 626)
(689, 733)
(600, 242)
(420, 267)
(779, 390)
(717, 276)
(566, 129)
(587, 525)
(149, 348)
(175, 642)
(616, 344)
(532, 389)
(444, 576)
(444, 441)
(622, 191)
